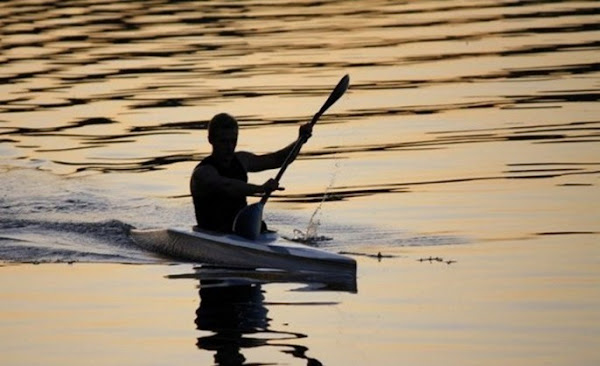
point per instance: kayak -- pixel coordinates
(230, 250)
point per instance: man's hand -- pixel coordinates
(272, 185)
(305, 131)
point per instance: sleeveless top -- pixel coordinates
(216, 210)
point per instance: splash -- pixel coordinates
(311, 235)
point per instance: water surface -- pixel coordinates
(467, 124)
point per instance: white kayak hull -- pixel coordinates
(229, 250)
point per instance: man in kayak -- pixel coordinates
(219, 183)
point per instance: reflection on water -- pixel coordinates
(232, 313)
(238, 319)
(233, 309)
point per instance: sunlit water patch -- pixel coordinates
(462, 118)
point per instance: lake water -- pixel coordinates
(470, 133)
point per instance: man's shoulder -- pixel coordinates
(203, 169)
(244, 157)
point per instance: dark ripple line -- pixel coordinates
(31, 131)
(451, 138)
(507, 74)
(555, 164)
(567, 125)
(501, 102)
(348, 192)
(145, 165)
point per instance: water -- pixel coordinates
(466, 123)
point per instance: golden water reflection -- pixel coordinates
(466, 122)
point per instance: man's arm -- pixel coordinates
(258, 163)
(274, 160)
(209, 178)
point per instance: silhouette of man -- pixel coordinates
(219, 183)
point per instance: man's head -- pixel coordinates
(223, 135)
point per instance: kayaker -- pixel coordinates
(219, 183)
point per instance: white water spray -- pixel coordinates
(311, 234)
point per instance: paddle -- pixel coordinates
(248, 222)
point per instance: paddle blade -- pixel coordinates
(336, 94)
(248, 222)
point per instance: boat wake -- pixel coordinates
(39, 241)
(45, 218)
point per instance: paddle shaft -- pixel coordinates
(336, 94)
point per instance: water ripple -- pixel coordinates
(106, 76)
